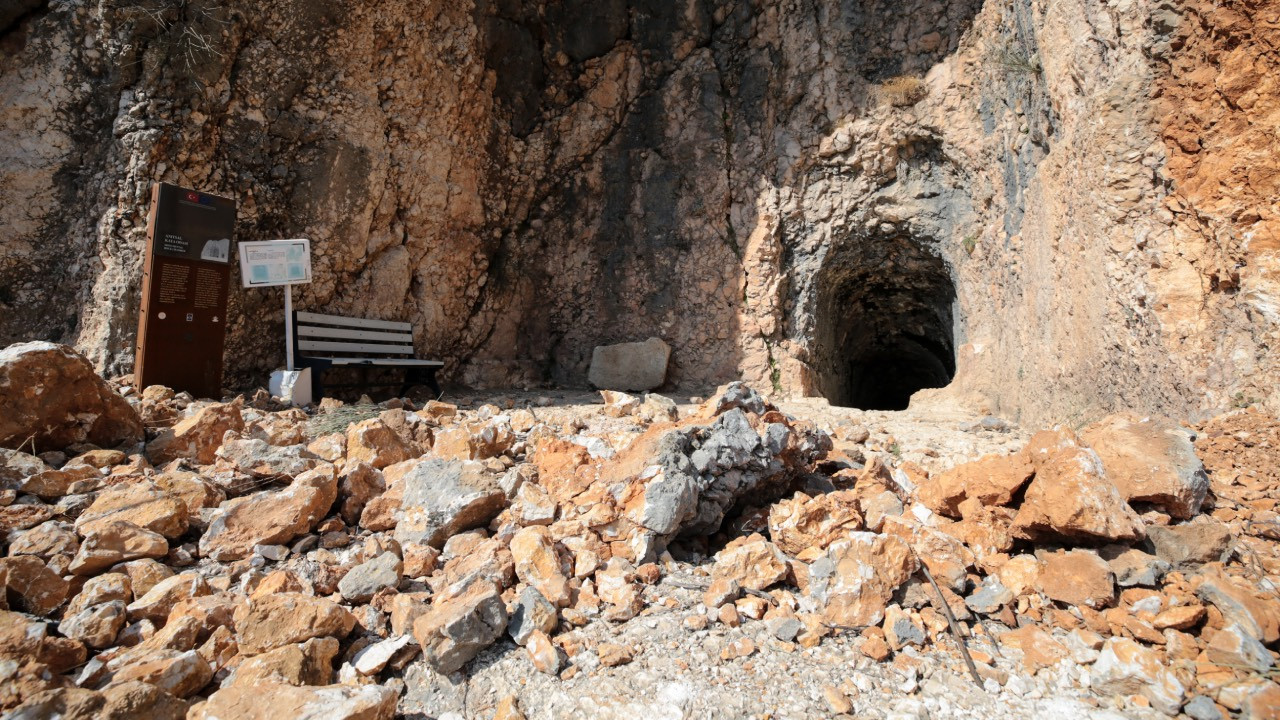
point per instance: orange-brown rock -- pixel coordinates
(277, 620)
(1239, 603)
(53, 398)
(116, 541)
(30, 585)
(992, 480)
(1179, 617)
(197, 436)
(308, 663)
(474, 440)
(180, 674)
(191, 489)
(614, 654)
(272, 701)
(144, 574)
(804, 522)
(143, 504)
(45, 540)
(1039, 649)
(209, 612)
(1150, 460)
(159, 601)
(270, 517)
(752, 561)
(946, 557)
(1077, 577)
(543, 654)
(1071, 497)
(136, 699)
(856, 576)
(537, 564)
(373, 442)
(23, 516)
(51, 484)
(20, 637)
(358, 483)
(1020, 574)
(43, 699)
(1044, 445)
(96, 626)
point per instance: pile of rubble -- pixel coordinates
(245, 560)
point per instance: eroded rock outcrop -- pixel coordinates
(834, 211)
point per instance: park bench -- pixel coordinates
(329, 342)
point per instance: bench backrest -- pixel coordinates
(335, 335)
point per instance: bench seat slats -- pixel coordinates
(324, 332)
(344, 347)
(309, 317)
(386, 362)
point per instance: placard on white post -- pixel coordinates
(281, 262)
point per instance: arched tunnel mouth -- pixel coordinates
(884, 322)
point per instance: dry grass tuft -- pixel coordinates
(339, 418)
(902, 91)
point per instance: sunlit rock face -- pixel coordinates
(1033, 205)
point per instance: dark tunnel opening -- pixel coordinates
(884, 322)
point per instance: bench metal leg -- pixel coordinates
(317, 384)
(421, 376)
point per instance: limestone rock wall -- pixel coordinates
(1062, 202)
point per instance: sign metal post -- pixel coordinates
(281, 262)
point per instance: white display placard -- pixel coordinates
(275, 262)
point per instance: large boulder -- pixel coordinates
(52, 398)
(443, 498)
(270, 517)
(630, 366)
(1150, 460)
(1071, 497)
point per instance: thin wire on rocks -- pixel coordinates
(952, 623)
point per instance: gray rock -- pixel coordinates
(96, 626)
(516, 477)
(669, 500)
(1133, 567)
(630, 366)
(989, 597)
(739, 395)
(1201, 708)
(17, 466)
(457, 629)
(259, 459)
(443, 498)
(364, 580)
(659, 408)
(785, 629)
(531, 612)
(1188, 546)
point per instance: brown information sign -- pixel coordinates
(187, 272)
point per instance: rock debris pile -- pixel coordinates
(248, 561)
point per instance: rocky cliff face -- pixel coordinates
(1058, 208)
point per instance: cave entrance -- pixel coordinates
(883, 327)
